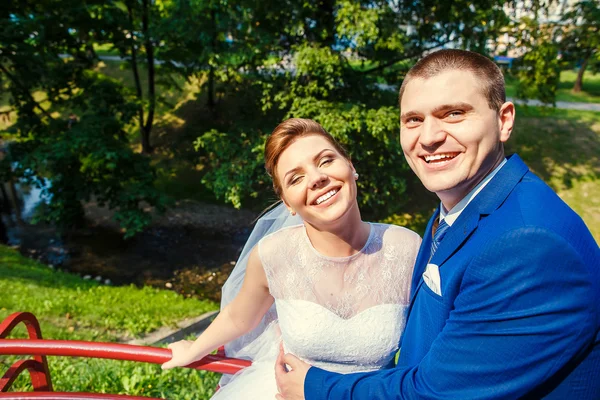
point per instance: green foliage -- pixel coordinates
(316, 90)
(120, 377)
(76, 139)
(317, 77)
(236, 165)
(580, 41)
(539, 73)
(538, 70)
(323, 60)
(589, 94)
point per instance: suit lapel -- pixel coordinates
(488, 200)
(457, 234)
(422, 257)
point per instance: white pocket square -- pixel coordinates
(431, 277)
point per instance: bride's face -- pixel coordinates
(316, 181)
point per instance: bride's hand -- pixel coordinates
(181, 355)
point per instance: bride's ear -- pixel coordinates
(290, 209)
(354, 173)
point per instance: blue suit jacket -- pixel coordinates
(519, 313)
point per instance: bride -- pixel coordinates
(331, 288)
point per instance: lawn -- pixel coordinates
(563, 148)
(69, 307)
(105, 50)
(589, 94)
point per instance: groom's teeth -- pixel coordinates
(436, 157)
(326, 196)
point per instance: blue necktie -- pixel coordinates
(439, 234)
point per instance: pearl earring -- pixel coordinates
(356, 175)
(292, 212)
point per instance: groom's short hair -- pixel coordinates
(448, 59)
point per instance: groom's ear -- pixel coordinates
(506, 120)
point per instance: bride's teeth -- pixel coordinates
(326, 196)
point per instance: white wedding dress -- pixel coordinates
(342, 314)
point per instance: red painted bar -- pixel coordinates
(30, 321)
(114, 351)
(38, 367)
(70, 396)
(37, 372)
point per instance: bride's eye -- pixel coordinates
(295, 180)
(325, 161)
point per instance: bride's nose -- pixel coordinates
(316, 178)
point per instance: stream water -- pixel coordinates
(191, 249)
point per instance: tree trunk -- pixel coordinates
(579, 81)
(3, 232)
(136, 78)
(326, 21)
(211, 68)
(146, 146)
(16, 201)
(211, 87)
(4, 203)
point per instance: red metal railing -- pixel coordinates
(40, 348)
(38, 366)
(69, 395)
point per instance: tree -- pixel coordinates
(538, 70)
(581, 36)
(332, 58)
(71, 121)
(131, 29)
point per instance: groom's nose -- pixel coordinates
(432, 132)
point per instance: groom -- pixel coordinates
(506, 290)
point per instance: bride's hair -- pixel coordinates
(284, 135)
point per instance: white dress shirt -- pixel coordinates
(452, 215)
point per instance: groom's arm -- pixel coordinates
(527, 306)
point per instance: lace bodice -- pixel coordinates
(344, 314)
(379, 274)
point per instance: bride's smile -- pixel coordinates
(324, 199)
(317, 181)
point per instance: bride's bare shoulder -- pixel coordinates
(398, 233)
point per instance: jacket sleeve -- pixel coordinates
(526, 307)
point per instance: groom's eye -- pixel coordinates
(412, 121)
(454, 116)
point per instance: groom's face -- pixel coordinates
(450, 136)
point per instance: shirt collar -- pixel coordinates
(454, 213)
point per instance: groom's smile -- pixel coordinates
(450, 136)
(440, 158)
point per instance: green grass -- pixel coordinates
(69, 307)
(105, 50)
(590, 92)
(561, 146)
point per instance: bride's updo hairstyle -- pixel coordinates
(287, 133)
